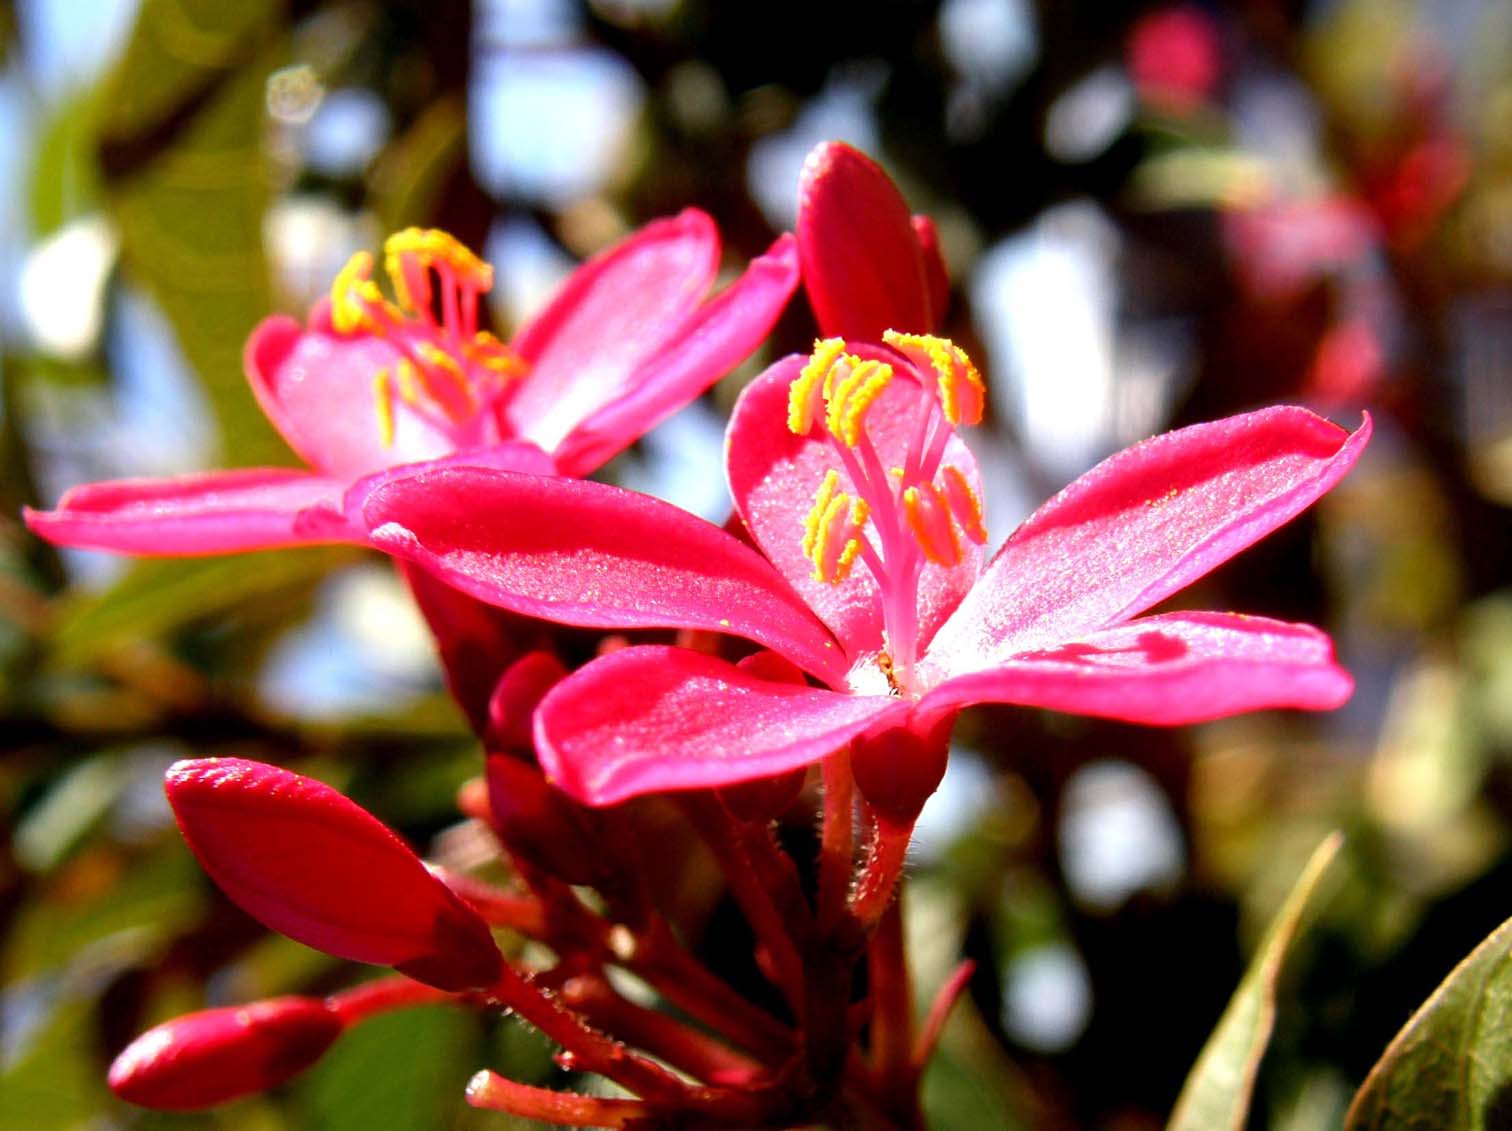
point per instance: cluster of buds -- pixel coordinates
(832, 647)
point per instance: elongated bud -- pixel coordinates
(208, 1058)
(514, 700)
(302, 859)
(897, 770)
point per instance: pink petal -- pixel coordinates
(1142, 525)
(316, 386)
(589, 554)
(1165, 670)
(302, 859)
(648, 719)
(774, 476)
(862, 264)
(717, 338)
(207, 1058)
(211, 513)
(612, 316)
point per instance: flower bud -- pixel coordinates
(207, 1058)
(542, 825)
(302, 859)
(514, 699)
(897, 770)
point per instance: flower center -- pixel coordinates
(456, 376)
(900, 517)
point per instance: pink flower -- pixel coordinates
(376, 387)
(847, 473)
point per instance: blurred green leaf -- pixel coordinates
(1450, 1068)
(69, 810)
(161, 594)
(53, 1082)
(401, 1071)
(409, 176)
(181, 149)
(65, 179)
(99, 901)
(1216, 1094)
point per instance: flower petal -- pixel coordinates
(1142, 525)
(211, 513)
(774, 476)
(207, 1058)
(589, 554)
(1165, 670)
(717, 338)
(614, 313)
(316, 386)
(862, 264)
(648, 719)
(302, 859)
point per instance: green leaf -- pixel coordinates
(53, 1081)
(159, 595)
(1217, 1093)
(65, 181)
(410, 175)
(1450, 1068)
(127, 918)
(181, 149)
(402, 1071)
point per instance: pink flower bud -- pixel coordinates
(298, 856)
(207, 1058)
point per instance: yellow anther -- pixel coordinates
(928, 518)
(456, 397)
(961, 391)
(964, 504)
(409, 390)
(832, 531)
(494, 356)
(432, 246)
(851, 397)
(350, 292)
(383, 402)
(807, 388)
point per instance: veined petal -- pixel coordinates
(589, 554)
(1165, 670)
(301, 858)
(862, 264)
(774, 476)
(211, 513)
(316, 386)
(713, 341)
(1142, 525)
(649, 719)
(611, 316)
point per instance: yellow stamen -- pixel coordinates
(851, 397)
(961, 391)
(929, 519)
(383, 401)
(832, 531)
(494, 356)
(964, 504)
(351, 291)
(431, 246)
(409, 391)
(806, 389)
(439, 363)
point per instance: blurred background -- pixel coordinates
(1152, 214)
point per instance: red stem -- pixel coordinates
(495, 1092)
(939, 1012)
(892, 1017)
(837, 843)
(885, 855)
(681, 1046)
(382, 995)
